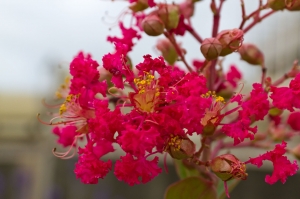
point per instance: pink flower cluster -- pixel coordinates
(154, 107)
(165, 103)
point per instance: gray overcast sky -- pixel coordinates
(36, 35)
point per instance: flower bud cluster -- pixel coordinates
(226, 42)
(165, 17)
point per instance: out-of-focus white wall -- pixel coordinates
(38, 36)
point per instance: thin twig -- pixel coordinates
(257, 20)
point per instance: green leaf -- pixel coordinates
(191, 188)
(183, 170)
(231, 185)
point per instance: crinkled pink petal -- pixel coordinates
(282, 166)
(148, 169)
(102, 147)
(150, 64)
(89, 167)
(125, 170)
(258, 105)
(130, 170)
(192, 84)
(151, 3)
(66, 134)
(282, 98)
(233, 76)
(240, 130)
(295, 85)
(128, 35)
(198, 64)
(138, 142)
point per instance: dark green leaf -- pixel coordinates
(191, 188)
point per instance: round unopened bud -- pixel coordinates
(296, 151)
(211, 48)
(167, 50)
(153, 25)
(276, 4)
(169, 14)
(227, 167)
(251, 54)
(231, 40)
(180, 148)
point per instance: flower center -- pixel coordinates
(174, 142)
(239, 171)
(148, 93)
(216, 106)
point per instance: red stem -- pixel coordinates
(243, 9)
(255, 12)
(194, 34)
(257, 20)
(216, 20)
(198, 154)
(212, 75)
(178, 50)
(263, 75)
(281, 80)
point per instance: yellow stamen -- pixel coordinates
(62, 109)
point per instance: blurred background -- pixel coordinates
(38, 39)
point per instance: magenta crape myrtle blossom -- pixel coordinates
(155, 106)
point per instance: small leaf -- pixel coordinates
(231, 185)
(184, 171)
(191, 188)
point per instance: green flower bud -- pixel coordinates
(211, 48)
(169, 14)
(153, 25)
(276, 4)
(180, 148)
(227, 167)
